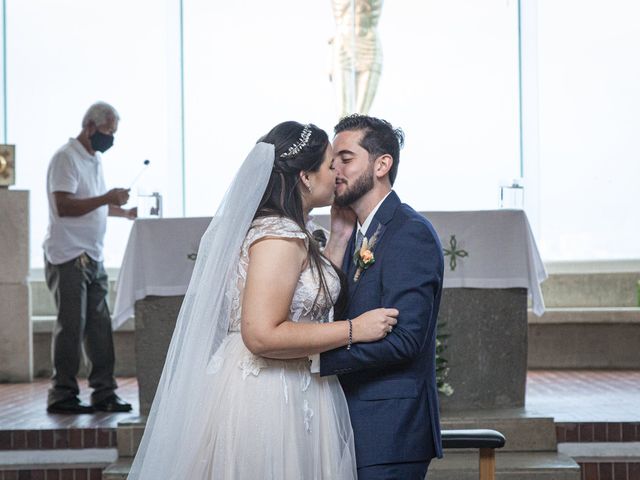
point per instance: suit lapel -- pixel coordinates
(378, 227)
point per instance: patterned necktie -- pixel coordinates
(359, 238)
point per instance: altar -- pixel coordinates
(492, 266)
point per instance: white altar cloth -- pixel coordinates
(493, 249)
(158, 260)
(500, 249)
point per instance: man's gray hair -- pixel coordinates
(100, 113)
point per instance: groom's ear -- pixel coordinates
(383, 165)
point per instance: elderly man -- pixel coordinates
(78, 207)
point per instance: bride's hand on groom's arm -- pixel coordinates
(374, 325)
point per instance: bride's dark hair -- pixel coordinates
(283, 196)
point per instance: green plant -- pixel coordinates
(442, 370)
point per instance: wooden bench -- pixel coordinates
(485, 440)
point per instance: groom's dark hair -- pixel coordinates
(380, 138)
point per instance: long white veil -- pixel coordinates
(174, 425)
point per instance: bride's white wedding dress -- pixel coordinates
(273, 419)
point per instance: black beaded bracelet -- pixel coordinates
(350, 334)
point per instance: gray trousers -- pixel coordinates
(80, 288)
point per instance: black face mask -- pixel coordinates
(101, 142)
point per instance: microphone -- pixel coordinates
(145, 165)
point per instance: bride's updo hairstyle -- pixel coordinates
(298, 148)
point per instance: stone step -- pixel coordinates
(617, 289)
(459, 466)
(42, 300)
(592, 289)
(585, 338)
(523, 430)
(123, 338)
(590, 315)
(570, 338)
(601, 452)
(46, 324)
(118, 470)
(559, 290)
(509, 466)
(129, 434)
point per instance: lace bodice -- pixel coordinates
(302, 306)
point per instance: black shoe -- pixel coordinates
(71, 405)
(112, 403)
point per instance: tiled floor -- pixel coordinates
(582, 402)
(23, 406)
(585, 396)
(569, 396)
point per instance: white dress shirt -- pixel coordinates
(365, 226)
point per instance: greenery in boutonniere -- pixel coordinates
(442, 370)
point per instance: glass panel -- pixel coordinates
(64, 55)
(449, 79)
(589, 124)
(3, 71)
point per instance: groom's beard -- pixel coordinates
(361, 186)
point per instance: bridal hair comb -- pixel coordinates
(300, 144)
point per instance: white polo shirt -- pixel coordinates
(74, 170)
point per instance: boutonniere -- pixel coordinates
(363, 258)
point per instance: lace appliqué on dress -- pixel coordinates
(308, 415)
(304, 306)
(251, 365)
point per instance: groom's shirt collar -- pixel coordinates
(365, 226)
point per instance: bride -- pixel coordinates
(237, 399)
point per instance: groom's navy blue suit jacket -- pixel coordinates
(390, 385)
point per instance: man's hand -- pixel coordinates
(117, 196)
(131, 213)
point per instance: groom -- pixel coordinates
(390, 385)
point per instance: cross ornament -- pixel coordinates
(454, 253)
